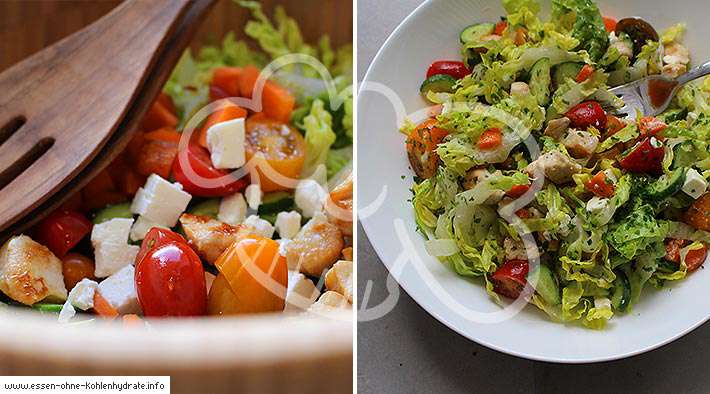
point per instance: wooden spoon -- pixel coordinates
(60, 107)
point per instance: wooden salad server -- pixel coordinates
(68, 110)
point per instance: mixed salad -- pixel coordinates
(611, 205)
(144, 238)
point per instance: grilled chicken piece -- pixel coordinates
(210, 237)
(29, 272)
(339, 206)
(316, 247)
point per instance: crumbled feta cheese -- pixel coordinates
(232, 209)
(676, 53)
(310, 197)
(253, 195)
(111, 249)
(82, 295)
(260, 226)
(160, 201)
(225, 141)
(301, 292)
(674, 70)
(283, 244)
(141, 227)
(597, 204)
(602, 303)
(66, 313)
(120, 291)
(288, 224)
(695, 185)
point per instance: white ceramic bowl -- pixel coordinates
(431, 33)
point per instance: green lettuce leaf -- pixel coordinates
(583, 18)
(638, 230)
(319, 137)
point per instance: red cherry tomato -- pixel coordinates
(517, 191)
(609, 24)
(510, 279)
(696, 257)
(62, 230)
(584, 73)
(453, 68)
(588, 113)
(649, 125)
(155, 237)
(599, 185)
(613, 124)
(490, 139)
(645, 157)
(500, 28)
(199, 159)
(170, 281)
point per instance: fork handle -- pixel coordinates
(694, 73)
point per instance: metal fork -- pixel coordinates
(651, 95)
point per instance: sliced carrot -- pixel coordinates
(247, 80)
(101, 182)
(167, 102)
(227, 79)
(277, 102)
(163, 134)
(584, 73)
(158, 116)
(130, 181)
(156, 157)
(229, 112)
(132, 320)
(609, 23)
(135, 145)
(490, 139)
(103, 308)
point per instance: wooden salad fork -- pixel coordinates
(652, 95)
(68, 110)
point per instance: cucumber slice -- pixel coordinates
(112, 212)
(473, 32)
(667, 185)
(547, 286)
(208, 207)
(438, 83)
(565, 70)
(49, 308)
(540, 81)
(274, 203)
(621, 295)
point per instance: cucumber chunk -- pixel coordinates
(473, 32)
(540, 81)
(667, 185)
(208, 208)
(274, 203)
(438, 83)
(547, 286)
(122, 210)
(621, 295)
(565, 70)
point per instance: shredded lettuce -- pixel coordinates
(637, 231)
(583, 18)
(673, 34)
(319, 137)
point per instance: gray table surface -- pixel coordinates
(408, 351)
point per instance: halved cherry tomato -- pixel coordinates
(253, 278)
(453, 68)
(584, 73)
(156, 157)
(510, 279)
(645, 157)
(697, 215)
(609, 24)
(500, 28)
(588, 113)
(170, 281)
(75, 268)
(490, 139)
(517, 191)
(156, 237)
(199, 159)
(274, 144)
(421, 148)
(600, 186)
(650, 125)
(613, 125)
(523, 213)
(696, 257)
(62, 230)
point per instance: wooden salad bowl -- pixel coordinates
(268, 353)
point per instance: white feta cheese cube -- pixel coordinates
(141, 227)
(82, 295)
(301, 292)
(111, 249)
(260, 226)
(225, 141)
(288, 224)
(310, 197)
(160, 201)
(119, 290)
(695, 185)
(253, 195)
(66, 313)
(232, 209)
